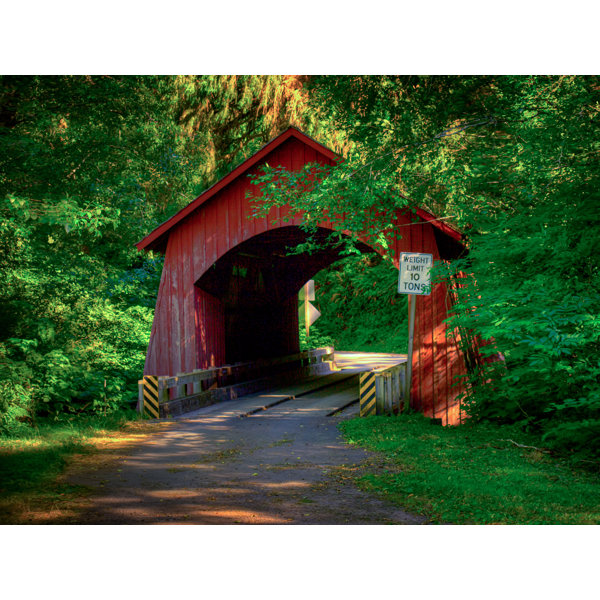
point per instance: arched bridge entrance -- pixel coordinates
(257, 284)
(229, 290)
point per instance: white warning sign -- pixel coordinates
(414, 275)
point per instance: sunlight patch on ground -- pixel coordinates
(285, 485)
(242, 516)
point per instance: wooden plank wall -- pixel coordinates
(188, 330)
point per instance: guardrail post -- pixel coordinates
(367, 396)
(140, 402)
(181, 391)
(151, 395)
(398, 390)
(379, 395)
(163, 391)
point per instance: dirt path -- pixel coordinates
(287, 464)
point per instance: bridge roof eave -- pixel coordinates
(444, 227)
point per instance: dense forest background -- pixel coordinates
(89, 165)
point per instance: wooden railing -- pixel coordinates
(186, 391)
(390, 389)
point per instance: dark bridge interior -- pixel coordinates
(258, 283)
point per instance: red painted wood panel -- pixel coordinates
(212, 231)
(175, 305)
(211, 331)
(189, 363)
(154, 357)
(235, 210)
(438, 337)
(430, 247)
(418, 350)
(310, 155)
(297, 161)
(161, 364)
(425, 368)
(284, 159)
(183, 293)
(246, 210)
(440, 353)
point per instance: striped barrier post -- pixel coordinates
(367, 394)
(151, 404)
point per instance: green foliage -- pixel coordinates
(316, 191)
(15, 408)
(513, 161)
(89, 166)
(79, 186)
(315, 339)
(536, 290)
(473, 474)
(228, 116)
(359, 305)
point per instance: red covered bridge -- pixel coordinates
(229, 291)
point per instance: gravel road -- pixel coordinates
(234, 463)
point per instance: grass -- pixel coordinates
(31, 466)
(472, 474)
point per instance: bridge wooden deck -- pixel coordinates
(358, 362)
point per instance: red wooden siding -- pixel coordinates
(209, 315)
(190, 324)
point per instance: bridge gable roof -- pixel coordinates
(156, 240)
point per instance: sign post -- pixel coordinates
(414, 279)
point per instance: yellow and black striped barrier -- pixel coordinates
(151, 405)
(367, 394)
